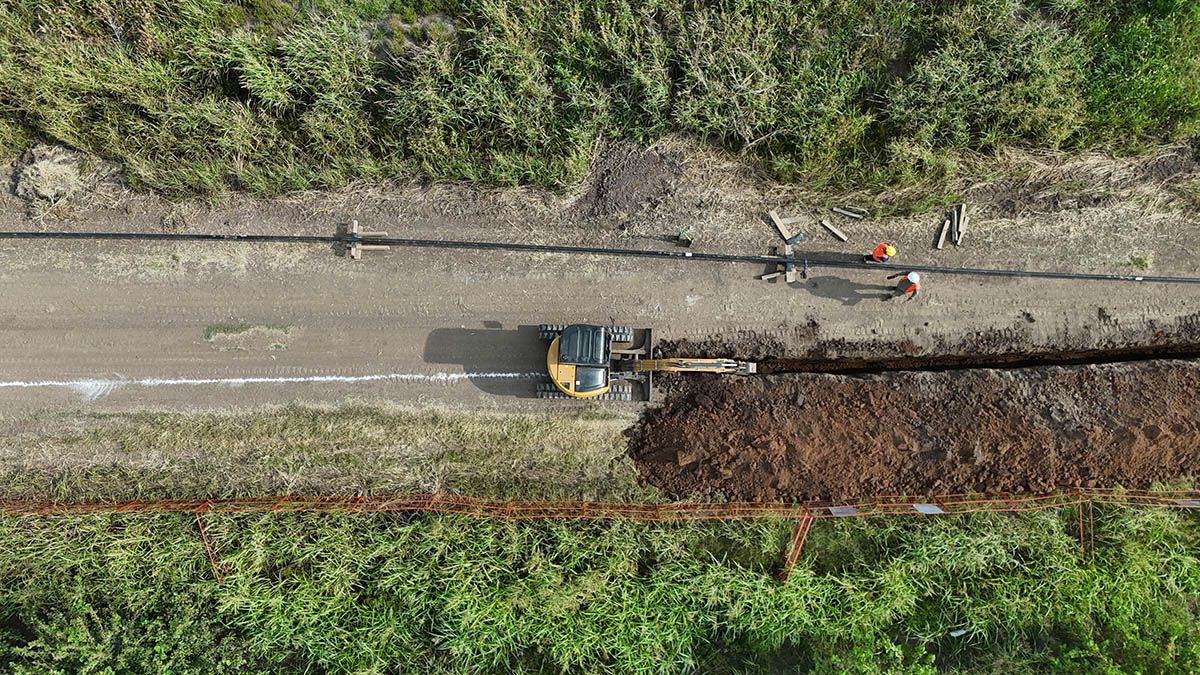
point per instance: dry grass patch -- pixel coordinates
(355, 448)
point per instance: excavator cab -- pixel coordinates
(611, 362)
(583, 361)
(578, 360)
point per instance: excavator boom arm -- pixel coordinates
(725, 366)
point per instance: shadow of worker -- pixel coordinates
(846, 291)
(495, 360)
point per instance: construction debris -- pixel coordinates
(787, 268)
(849, 214)
(836, 232)
(781, 224)
(941, 242)
(962, 223)
(684, 237)
(356, 247)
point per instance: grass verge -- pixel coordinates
(355, 448)
(200, 95)
(430, 594)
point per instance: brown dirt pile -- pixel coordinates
(983, 431)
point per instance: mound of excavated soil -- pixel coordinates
(627, 178)
(985, 431)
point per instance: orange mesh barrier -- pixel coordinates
(803, 513)
(522, 509)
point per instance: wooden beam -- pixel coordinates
(780, 225)
(770, 275)
(848, 214)
(941, 243)
(962, 222)
(836, 232)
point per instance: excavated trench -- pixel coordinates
(950, 362)
(927, 425)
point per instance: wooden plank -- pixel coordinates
(770, 275)
(954, 223)
(352, 247)
(942, 237)
(779, 225)
(848, 214)
(836, 232)
(962, 223)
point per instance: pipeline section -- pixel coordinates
(797, 258)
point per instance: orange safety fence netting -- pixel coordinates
(526, 509)
(804, 513)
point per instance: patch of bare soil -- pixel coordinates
(625, 179)
(803, 437)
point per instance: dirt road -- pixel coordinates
(427, 326)
(459, 329)
(88, 326)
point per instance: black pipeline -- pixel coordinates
(588, 250)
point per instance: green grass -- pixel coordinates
(1141, 260)
(199, 95)
(232, 329)
(378, 593)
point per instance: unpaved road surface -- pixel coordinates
(104, 326)
(118, 313)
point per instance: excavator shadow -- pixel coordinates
(499, 361)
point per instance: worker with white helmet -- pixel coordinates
(909, 285)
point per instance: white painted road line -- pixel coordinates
(92, 389)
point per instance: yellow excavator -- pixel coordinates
(606, 362)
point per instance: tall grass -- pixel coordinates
(197, 95)
(356, 593)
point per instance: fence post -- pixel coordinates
(212, 558)
(797, 544)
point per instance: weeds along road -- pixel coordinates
(216, 325)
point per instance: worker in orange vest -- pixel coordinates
(882, 253)
(909, 285)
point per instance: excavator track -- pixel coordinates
(621, 333)
(549, 331)
(547, 390)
